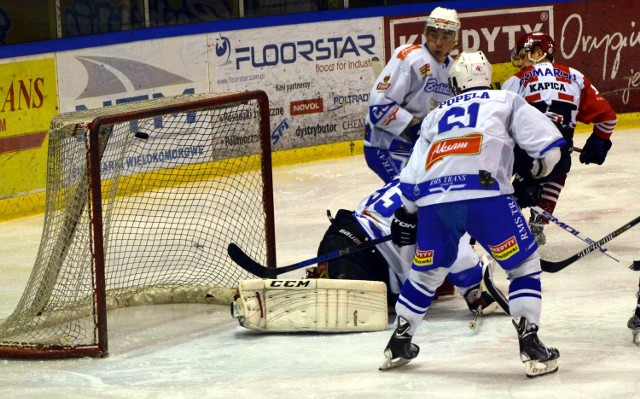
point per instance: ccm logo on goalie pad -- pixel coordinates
(290, 283)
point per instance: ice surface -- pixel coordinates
(198, 351)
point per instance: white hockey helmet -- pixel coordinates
(470, 70)
(443, 18)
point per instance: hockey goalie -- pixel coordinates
(354, 292)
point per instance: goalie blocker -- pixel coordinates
(323, 305)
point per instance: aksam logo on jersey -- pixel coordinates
(506, 249)
(423, 257)
(469, 144)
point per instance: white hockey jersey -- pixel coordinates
(411, 84)
(374, 214)
(565, 95)
(465, 149)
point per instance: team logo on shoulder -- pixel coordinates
(506, 249)
(425, 70)
(384, 85)
(469, 144)
(423, 258)
(402, 54)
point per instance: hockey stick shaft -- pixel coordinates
(573, 231)
(498, 296)
(247, 263)
(553, 267)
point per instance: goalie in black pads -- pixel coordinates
(458, 181)
(387, 262)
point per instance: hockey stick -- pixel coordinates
(474, 322)
(553, 267)
(244, 261)
(573, 231)
(487, 278)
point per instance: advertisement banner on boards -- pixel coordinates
(598, 39)
(101, 76)
(493, 31)
(29, 100)
(602, 40)
(318, 76)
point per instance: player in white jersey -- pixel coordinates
(565, 96)
(413, 82)
(387, 262)
(457, 181)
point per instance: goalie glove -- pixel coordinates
(404, 226)
(543, 166)
(595, 150)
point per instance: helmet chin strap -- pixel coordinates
(535, 61)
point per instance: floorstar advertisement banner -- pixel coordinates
(318, 76)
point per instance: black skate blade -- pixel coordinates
(535, 368)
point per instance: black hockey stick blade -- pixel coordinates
(247, 263)
(553, 267)
(487, 278)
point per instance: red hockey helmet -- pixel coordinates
(530, 41)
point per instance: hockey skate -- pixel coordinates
(634, 325)
(537, 358)
(399, 350)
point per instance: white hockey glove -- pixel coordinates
(543, 166)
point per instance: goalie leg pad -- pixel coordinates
(324, 305)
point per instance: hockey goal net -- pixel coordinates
(142, 200)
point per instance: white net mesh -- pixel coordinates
(177, 187)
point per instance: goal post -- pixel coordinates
(142, 200)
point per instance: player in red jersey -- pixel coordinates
(566, 96)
